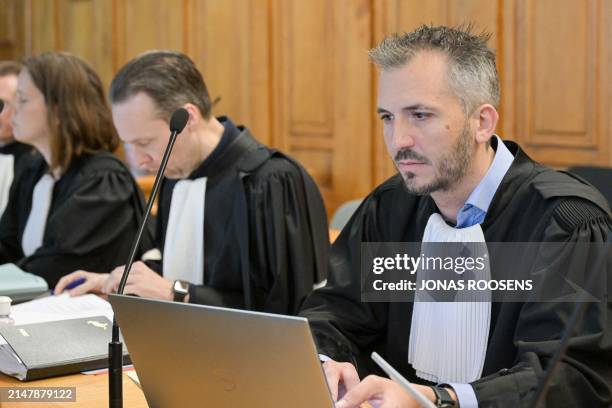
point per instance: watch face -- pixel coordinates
(181, 287)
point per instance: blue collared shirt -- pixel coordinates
(475, 208)
(474, 212)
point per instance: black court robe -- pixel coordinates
(265, 228)
(532, 204)
(22, 153)
(94, 216)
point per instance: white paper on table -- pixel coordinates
(61, 307)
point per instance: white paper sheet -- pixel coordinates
(60, 307)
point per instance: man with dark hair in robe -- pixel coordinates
(239, 224)
(437, 98)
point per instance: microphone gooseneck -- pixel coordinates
(178, 121)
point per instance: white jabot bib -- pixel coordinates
(34, 231)
(183, 256)
(448, 340)
(6, 179)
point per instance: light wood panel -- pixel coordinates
(229, 42)
(142, 25)
(322, 92)
(41, 26)
(85, 29)
(606, 76)
(11, 29)
(82, 27)
(562, 81)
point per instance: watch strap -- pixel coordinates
(443, 398)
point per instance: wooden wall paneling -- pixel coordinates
(507, 68)
(482, 14)
(11, 29)
(82, 27)
(7, 30)
(42, 26)
(310, 58)
(86, 31)
(602, 83)
(560, 95)
(297, 72)
(322, 88)
(353, 127)
(385, 22)
(143, 25)
(606, 76)
(229, 42)
(305, 70)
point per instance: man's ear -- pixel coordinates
(195, 117)
(486, 118)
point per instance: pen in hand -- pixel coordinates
(71, 285)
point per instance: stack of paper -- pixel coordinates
(60, 307)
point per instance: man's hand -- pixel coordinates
(143, 281)
(383, 393)
(341, 376)
(94, 282)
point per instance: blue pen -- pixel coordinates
(71, 285)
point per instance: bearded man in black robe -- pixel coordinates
(437, 98)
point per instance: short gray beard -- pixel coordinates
(451, 168)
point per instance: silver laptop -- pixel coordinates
(193, 355)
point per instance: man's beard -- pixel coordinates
(452, 167)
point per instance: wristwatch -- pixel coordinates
(181, 290)
(443, 398)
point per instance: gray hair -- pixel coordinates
(472, 74)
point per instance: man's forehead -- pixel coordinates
(137, 119)
(8, 86)
(139, 103)
(423, 80)
(425, 68)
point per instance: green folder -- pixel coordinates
(20, 285)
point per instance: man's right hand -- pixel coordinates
(94, 282)
(341, 376)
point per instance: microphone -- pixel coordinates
(178, 121)
(115, 348)
(572, 324)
